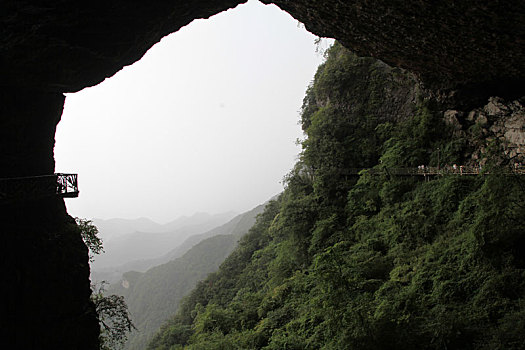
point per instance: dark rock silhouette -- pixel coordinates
(45, 266)
(65, 46)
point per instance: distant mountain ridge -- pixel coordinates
(153, 296)
(117, 227)
(142, 239)
(235, 226)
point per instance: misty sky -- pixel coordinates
(206, 121)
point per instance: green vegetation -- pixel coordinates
(114, 318)
(90, 236)
(369, 261)
(154, 296)
(112, 311)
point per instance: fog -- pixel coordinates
(206, 121)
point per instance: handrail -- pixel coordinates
(67, 185)
(429, 171)
(27, 188)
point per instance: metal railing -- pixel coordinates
(430, 171)
(67, 185)
(33, 187)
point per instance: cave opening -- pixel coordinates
(64, 46)
(206, 121)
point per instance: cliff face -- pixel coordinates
(65, 46)
(46, 280)
(45, 267)
(375, 259)
(447, 43)
(498, 126)
(463, 52)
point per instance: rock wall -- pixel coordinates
(477, 44)
(507, 124)
(64, 45)
(45, 269)
(46, 303)
(495, 130)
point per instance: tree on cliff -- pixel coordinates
(113, 315)
(115, 320)
(89, 233)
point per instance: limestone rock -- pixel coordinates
(451, 118)
(514, 128)
(481, 119)
(66, 45)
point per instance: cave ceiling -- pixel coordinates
(64, 46)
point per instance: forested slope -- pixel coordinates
(372, 261)
(153, 296)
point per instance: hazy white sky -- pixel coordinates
(205, 121)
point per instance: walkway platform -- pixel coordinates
(18, 189)
(431, 171)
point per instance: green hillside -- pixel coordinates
(153, 296)
(371, 261)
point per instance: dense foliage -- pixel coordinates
(154, 296)
(114, 318)
(90, 236)
(112, 311)
(370, 261)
